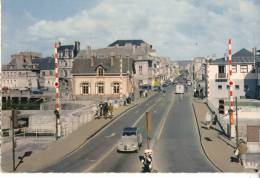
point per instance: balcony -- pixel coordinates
(221, 77)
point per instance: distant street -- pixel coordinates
(175, 141)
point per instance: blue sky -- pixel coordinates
(177, 29)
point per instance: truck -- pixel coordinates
(179, 89)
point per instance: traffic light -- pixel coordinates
(221, 106)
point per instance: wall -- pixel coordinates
(240, 79)
(108, 80)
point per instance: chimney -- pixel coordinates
(93, 57)
(89, 51)
(112, 58)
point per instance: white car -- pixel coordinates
(130, 141)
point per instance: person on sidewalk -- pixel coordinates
(110, 109)
(241, 151)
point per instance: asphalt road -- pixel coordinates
(175, 141)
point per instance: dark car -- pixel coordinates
(37, 91)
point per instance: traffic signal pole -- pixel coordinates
(57, 85)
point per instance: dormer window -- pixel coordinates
(100, 71)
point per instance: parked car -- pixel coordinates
(131, 140)
(5, 89)
(24, 89)
(37, 91)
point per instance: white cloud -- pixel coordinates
(173, 27)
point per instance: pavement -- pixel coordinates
(218, 148)
(41, 158)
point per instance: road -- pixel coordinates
(175, 141)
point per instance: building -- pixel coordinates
(147, 64)
(46, 72)
(243, 75)
(109, 77)
(21, 72)
(66, 54)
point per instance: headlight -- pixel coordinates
(133, 145)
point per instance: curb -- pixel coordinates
(201, 142)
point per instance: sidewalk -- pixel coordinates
(217, 147)
(59, 149)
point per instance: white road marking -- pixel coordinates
(114, 147)
(165, 116)
(136, 111)
(112, 135)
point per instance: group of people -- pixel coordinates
(105, 110)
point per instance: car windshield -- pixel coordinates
(128, 133)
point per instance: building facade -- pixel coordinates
(46, 72)
(106, 77)
(244, 76)
(66, 54)
(21, 73)
(147, 63)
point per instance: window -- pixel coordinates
(221, 69)
(141, 69)
(243, 69)
(85, 88)
(100, 71)
(43, 73)
(116, 87)
(51, 73)
(234, 69)
(100, 88)
(246, 87)
(220, 87)
(228, 87)
(237, 87)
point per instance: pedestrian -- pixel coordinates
(208, 120)
(110, 109)
(241, 151)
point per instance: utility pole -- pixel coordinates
(148, 128)
(236, 122)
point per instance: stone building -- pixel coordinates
(21, 72)
(46, 72)
(66, 54)
(106, 77)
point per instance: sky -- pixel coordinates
(179, 29)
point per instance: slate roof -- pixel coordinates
(63, 47)
(83, 66)
(124, 42)
(243, 56)
(47, 63)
